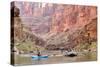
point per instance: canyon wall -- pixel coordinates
(72, 17)
(60, 25)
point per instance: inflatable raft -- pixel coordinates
(40, 57)
(70, 54)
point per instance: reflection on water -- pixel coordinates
(19, 60)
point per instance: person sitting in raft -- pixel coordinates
(39, 54)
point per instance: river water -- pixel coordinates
(25, 60)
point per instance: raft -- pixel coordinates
(71, 54)
(39, 57)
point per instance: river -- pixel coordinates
(25, 60)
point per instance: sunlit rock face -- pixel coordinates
(58, 24)
(72, 17)
(55, 18)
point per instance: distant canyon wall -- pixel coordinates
(72, 17)
(63, 17)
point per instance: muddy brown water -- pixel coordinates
(25, 60)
